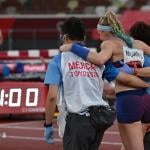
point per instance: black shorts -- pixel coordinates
(147, 141)
(80, 134)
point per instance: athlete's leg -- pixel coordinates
(146, 133)
(122, 148)
(130, 110)
(131, 135)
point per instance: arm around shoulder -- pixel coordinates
(131, 80)
(143, 72)
(103, 56)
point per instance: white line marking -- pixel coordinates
(23, 122)
(111, 132)
(17, 125)
(111, 143)
(24, 128)
(21, 128)
(29, 138)
(40, 128)
(55, 139)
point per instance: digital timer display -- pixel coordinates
(15, 95)
(22, 97)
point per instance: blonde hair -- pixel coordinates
(110, 19)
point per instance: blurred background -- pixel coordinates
(29, 38)
(34, 24)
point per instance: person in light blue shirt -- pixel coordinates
(82, 85)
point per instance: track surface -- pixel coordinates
(28, 135)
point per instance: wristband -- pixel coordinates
(80, 51)
(47, 125)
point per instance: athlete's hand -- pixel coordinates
(48, 134)
(65, 47)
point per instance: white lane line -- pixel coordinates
(23, 122)
(24, 128)
(39, 128)
(55, 139)
(111, 143)
(19, 127)
(28, 138)
(112, 132)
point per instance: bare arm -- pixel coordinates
(131, 80)
(103, 56)
(146, 49)
(94, 57)
(143, 72)
(51, 103)
(143, 46)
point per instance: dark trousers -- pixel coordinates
(80, 134)
(147, 141)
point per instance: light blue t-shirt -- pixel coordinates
(53, 74)
(146, 60)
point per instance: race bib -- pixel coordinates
(133, 55)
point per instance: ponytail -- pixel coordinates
(117, 29)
